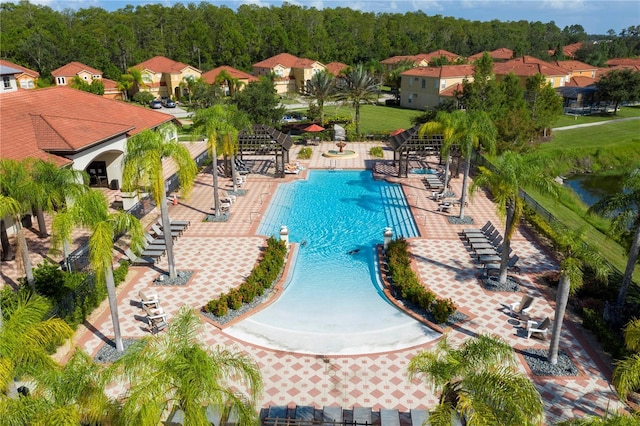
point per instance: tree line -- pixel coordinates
(206, 36)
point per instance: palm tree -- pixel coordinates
(609, 419)
(357, 86)
(512, 171)
(478, 383)
(172, 371)
(188, 83)
(91, 211)
(626, 376)
(472, 129)
(67, 395)
(321, 87)
(54, 186)
(143, 168)
(624, 208)
(26, 335)
(232, 83)
(129, 81)
(575, 254)
(220, 124)
(443, 125)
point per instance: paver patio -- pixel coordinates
(221, 254)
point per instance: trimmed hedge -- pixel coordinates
(408, 285)
(262, 277)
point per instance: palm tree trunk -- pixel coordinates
(506, 245)
(628, 271)
(166, 228)
(7, 254)
(357, 118)
(113, 306)
(447, 171)
(24, 252)
(214, 173)
(42, 225)
(234, 173)
(465, 184)
(321, 108)
(66, 252)
(561, 305)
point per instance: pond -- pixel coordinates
(591, 188)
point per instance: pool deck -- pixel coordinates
(221, 254)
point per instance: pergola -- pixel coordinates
(410, 144)
(264, 140)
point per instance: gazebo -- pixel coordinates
(409, 144)
(264, 140)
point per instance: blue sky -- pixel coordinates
(595, 16)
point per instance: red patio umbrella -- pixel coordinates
(313, 128)
(396, 132)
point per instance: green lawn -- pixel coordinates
(374, 119)
(625, 112)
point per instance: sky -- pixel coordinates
(595, 16)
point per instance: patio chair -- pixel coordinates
(484, 239)
(479, 244)
(445, 207)
(479, 233)
(539, 328)
(490, 268)
(136, 260)
(156, 243)
(160, 234)
(148, 299)
(521, 308)
(175, 227)
(483, 230)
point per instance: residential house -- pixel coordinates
(163, 77)
(241, 77)
(498, 55)
(419, 60)
(427, 87)
(336, 68)
(577, 68)
(528, 66)
(9, 83)
(25, 78)
(66, 74)
(568, 51)
(291, 73)
(626, 62)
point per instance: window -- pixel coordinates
(410, 82)
(6, 83)
(443, 84)
(85, 77)
(96, 76)
(61, 80)
(551, 82)
(409, 100)
(424, 83)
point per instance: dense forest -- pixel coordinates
(206, 36)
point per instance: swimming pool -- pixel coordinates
(333, 302)
(424, 171)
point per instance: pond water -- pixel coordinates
(591, 188)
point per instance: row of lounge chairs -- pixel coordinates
(487, 247)
(433, 181)
(155, 246)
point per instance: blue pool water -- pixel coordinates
(333, 301)
(424, 171)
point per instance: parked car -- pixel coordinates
(168, 103)
(155, 104)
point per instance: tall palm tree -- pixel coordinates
(143, 168)
(509, 173)
(575, 254)
(54, 186)
(173, 370)
(443, 125)
(626, 376)
(472, 129)
(91, 211)
(26, 335)
(478, 383)
(234, 84)
(321, 87)
(220, 124)
(357, 86)
(17, 189)
(624, 208)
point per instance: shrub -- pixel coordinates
(120, 273)
(305, 153)
(610, 341)
(377, 152)
(143, 98)
(49, 280)
(234, 299)
(442, 309)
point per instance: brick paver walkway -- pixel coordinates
(221, 254)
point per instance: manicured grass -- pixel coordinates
(569, 120)
(375, 119)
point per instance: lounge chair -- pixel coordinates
(389, 417)
(362, 415)
(483, 230)
(305, 413)
(331, 415)
(160, 234)
(490, 268)
(147, 299)
(540, 328)
(519, 309)
(479, 233)
(136, 260)
(157, 319)
(479, 245)
(418, 417)
(484, 239)
(175, 227)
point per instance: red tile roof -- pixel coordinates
(543, 67)
(336, 68)
(573, 65)
(211, 75)
(623, 61)
(27, 71)
(581, 81)
(109, 84)
(571, 49)
(74, 68)
(286, 60)
(452, 90)
(501, 54)
(421, 57)
(445, 71)
(161, 64)
(62, 119)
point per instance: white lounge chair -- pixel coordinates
(541, 328)
(518, 309)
